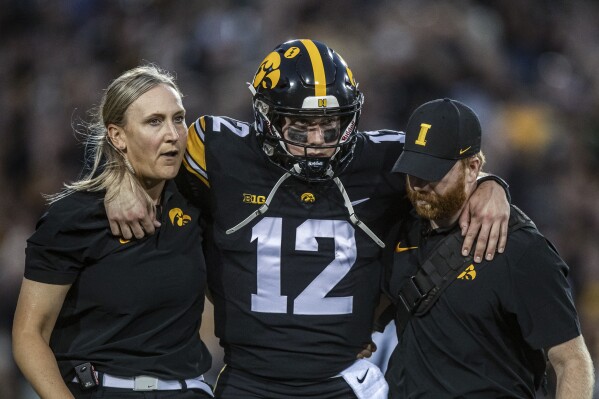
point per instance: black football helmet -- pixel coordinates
(303, 79)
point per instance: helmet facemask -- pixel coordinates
(286, 143)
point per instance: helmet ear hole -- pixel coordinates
(261, 107)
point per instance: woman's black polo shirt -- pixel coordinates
(135, 306)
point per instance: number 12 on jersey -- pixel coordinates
(312, 300)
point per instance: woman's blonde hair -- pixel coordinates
(108, 164)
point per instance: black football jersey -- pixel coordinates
(294, 290)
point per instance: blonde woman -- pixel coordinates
(100, 316)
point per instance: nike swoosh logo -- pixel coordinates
(123, 241)
(464, 150)
(399, 248)
(354, 203)
(361, 380)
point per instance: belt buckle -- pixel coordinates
(145, 383)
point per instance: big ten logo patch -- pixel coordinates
(254, 199)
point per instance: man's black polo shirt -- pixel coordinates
(484, 335)
(134, 306)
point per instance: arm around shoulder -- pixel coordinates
(128, 209)
(485, 218)
(574, 369)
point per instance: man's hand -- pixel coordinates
(368, 350)
(129, 211)
(486, 215)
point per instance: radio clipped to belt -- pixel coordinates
(87, 376)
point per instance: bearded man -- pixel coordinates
(469, 329)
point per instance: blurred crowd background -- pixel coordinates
(529, 68)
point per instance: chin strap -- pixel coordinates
(352, 214)
(264, 207)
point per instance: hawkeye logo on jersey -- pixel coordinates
(123, 241)
(308, 198)
(468, 274)
(254, 199)
(178, 218)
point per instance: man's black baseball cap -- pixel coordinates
(438, 134)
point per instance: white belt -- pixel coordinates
(147, 383)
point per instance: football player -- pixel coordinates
(299, 202)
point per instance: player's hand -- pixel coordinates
(129, 211)
(486, 215)
(368, 350)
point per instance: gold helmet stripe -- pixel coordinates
(320, 80)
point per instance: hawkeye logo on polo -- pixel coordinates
(468, 274)
(178, 218)
(254, 199)
(123, 241)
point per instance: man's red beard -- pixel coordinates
(439, 207)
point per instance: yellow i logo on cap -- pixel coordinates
(421, 140)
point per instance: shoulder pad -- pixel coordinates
(222, 124)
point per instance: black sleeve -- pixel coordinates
(500, 181)
(541, 297)
(194, 190)
(67, 237)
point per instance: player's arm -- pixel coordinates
(367, 352)
(574, 369)
(129, 211)
(192, 180)
(195, 191)
(37, 310)
(486, 216)
(383, 314)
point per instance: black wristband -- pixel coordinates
(500, 181)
